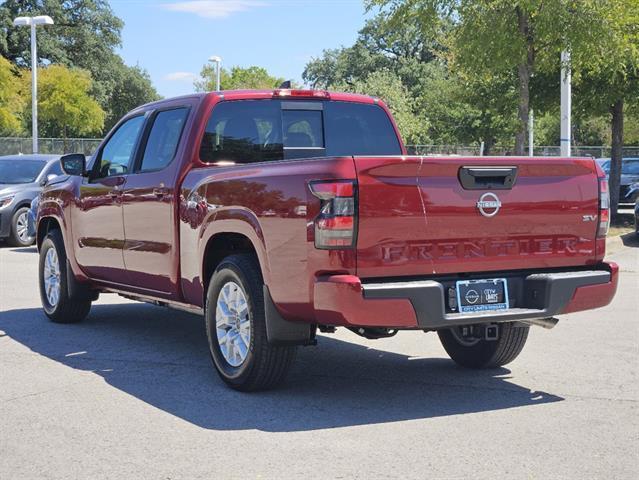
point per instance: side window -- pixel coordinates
(359, 129)
(243, 131)
(116, 155)
(163, 139)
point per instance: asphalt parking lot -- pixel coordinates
(130, 393)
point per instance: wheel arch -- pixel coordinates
(219, 246)
(45, 225)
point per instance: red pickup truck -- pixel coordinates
(279, 213)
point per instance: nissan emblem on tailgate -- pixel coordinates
(488, 204)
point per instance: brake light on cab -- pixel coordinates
(336, 223)
(288, 92)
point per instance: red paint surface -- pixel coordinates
(339, 301)
(595, 296)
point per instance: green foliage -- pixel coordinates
(85, 35)
(130, 87)
(444, 106)
(470, 110)
(11, 101)
(237, 78)
(497, 38)
(65, 106)
(388, 87)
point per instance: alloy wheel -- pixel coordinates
(233, 324)
(52, 277)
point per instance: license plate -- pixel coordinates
(482, 295)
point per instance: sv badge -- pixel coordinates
(589, 218)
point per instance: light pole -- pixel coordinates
(33, 22)
(566, 78)
(531, 133)
(218, 63)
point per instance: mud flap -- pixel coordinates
(280, 331)
(77, 290)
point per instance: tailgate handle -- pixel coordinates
(487, 178)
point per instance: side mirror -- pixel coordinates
(74, 164)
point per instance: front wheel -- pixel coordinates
(19, 236)
(481, 353)
(236, 328)
(57, 304)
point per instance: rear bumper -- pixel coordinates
(345, 300)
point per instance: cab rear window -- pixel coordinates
(248, 131)
(359, 129)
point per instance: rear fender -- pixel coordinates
(240, 221)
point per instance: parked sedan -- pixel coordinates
(629, 175)
(21, 180)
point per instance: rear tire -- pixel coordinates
(236, 328)
(19, 236)
(483, 353)
(53, 283)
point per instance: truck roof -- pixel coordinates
(298, 94)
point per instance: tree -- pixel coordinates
(131, 87)
(85, 35)
(609, 82)
(11, 101)
(388, 86)
(65, 106)
(447, 106)
(470, 110)
(498, 37)
(237, 78)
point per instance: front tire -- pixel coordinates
(19, 236)
(53, 283)
(236, 328)
(481, 353)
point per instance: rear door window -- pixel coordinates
(163, 139)
(359, 129)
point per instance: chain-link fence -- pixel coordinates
(15, 145)
(542, 151)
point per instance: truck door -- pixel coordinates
(97, 217)
(149, 205)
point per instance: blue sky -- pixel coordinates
(172, 39)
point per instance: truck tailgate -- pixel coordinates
(423, 215)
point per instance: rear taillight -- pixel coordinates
(604, 208)
(336, 223)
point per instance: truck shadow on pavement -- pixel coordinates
(161, 357)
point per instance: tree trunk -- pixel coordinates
(524, 70)
(489, 143)
(614, 179)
